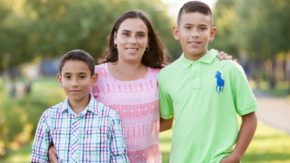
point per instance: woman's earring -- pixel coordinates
(115, 46)
(147, 49)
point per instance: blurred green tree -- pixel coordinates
(259, 29)
(48, 28)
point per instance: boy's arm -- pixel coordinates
(118, 145)
(245, 104)
(41, 142)
(165, 124)
(247, 130)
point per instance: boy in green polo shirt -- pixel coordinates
(204, 95)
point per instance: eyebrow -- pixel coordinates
(79, 73)
(125, 30)
(189, 24)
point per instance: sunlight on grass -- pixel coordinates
(165, 145)
(268, 146)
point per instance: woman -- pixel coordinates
(127, 82)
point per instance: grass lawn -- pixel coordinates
(269, 146)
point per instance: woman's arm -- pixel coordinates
(52, 154)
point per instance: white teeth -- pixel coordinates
(131, 49)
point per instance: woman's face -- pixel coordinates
(131, 40)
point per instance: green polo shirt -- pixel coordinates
(204, 97)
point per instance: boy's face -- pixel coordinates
(194, 32)
(76, 80)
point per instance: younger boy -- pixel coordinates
(204, 95)
(81, 128)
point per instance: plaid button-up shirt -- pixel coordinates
(99, 134)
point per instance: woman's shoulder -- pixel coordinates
(153, 70)
(101, 68)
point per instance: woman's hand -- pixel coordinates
(224, 56)
(52, 154)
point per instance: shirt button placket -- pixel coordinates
(75, 138)
(195, 71)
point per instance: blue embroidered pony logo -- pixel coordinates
(219, 82)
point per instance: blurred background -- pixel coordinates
(34, 34)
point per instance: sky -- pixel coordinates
(175, 5)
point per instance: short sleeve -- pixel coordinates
(166, 105)
(41, 141)
(245, 101)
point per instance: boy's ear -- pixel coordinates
(59, 78)
(212, 33)
(94, 78)
(175, 32)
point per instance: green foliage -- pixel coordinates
(224, 20)
(51, 27)
(257, 27)
(18, 114)
(21, 155)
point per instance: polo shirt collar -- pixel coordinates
(207, 58)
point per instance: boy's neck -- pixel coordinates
(79, 106)
(195, 57)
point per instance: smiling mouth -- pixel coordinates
(131, 50)
(194, 42)
(75, 91)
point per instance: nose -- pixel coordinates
(74, 83)
(195, 33)
(133, 40)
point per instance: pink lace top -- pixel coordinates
(137, 102)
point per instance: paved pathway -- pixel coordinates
(274, 111)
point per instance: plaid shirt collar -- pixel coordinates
(90, 107)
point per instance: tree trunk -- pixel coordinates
(272, 77)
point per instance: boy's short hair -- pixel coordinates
(194, 6)
(78, 55)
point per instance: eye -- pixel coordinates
(82, 76)
(67, 76)
(127, 34)
(140, 35)
(203, 28)
(187, 27)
